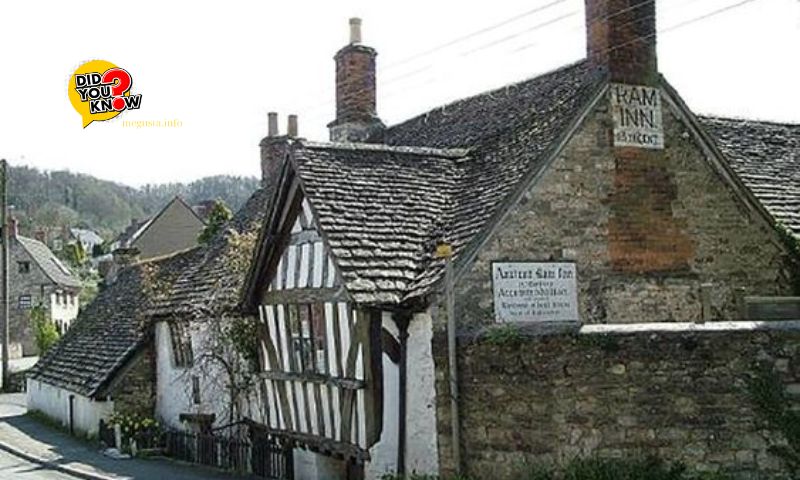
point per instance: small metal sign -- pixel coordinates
(534, 292)
(637, 116)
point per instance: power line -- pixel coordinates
(609, 49)
(474, 34)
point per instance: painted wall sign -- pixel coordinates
(534, 292)
(637, 116)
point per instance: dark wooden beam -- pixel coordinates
(305, 295)
(339, 382)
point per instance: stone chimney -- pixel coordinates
(274, 148)
(121, 258)
(356, 115)
(125, 256)
(40, 235)
(13, 227)
(621, 36)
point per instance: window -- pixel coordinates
(181, 344)
(195, 390)
(24, 302)
(307, 329)
(24, 267)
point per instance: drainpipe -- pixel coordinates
(445, 251)
(402, 321)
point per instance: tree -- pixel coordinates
(44, 329)
(75, 254)
(219, 216)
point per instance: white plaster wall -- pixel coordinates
(174, 384)
(65, 311)
(422, 454)
(383, 455)
(54, 402)
(314, 466)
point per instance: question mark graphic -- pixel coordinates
(123, 84)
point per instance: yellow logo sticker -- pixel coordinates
(99, 90)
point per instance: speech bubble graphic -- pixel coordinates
(123, 84)
(92, 83)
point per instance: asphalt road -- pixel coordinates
(15, 468)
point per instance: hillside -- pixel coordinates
(50, 200)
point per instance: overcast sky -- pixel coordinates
(219, 68)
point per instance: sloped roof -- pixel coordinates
(384, 209)
(766, 157)
(86, 236)
(213, 281)
(379, 208)
(50, 265)
(110, 330)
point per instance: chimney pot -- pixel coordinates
(272, 124)
(291, 126)
(355, 30)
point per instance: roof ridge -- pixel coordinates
(490, 91)
(745, 119)
(379, 147)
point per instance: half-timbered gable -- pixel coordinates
(349, 232)
(315, 357)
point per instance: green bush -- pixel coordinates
(44, 329)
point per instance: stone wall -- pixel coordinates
(645, 231)
(680, 394)
(134, 392)
(34, 283)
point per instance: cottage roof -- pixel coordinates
(111, 329)
(212, 283)
(49, 263)
(766, 157)
(383, 207)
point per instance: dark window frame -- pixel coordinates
(307, 338)
(25, 302)
(24, 267)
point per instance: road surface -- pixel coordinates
(15, 468)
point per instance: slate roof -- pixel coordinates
(379, 208)
(766, 157)
(384, 209)
(213, 281)
(110, 330)
(86, 236)
(50, 265)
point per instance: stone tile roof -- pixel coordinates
(766, 157)
(52, 266)
(110, 330)
(384, 209)
(379, 209)
(212, 283)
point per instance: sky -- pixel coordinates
(217, 68)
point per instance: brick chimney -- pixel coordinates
(356, 115)
(621, 36)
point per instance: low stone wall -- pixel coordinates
(675, 390)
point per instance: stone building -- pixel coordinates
(106, 361)
(613, 268)
(37, 278)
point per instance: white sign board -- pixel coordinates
(534, 292)
(637, 116)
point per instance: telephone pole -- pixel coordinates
(4, 272)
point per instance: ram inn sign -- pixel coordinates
(637, 116)
(534, 292)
